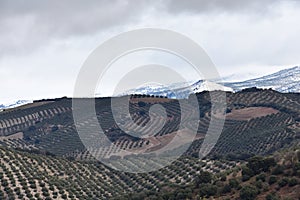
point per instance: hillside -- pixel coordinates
(48, 125)
(27, 175)
(263, 178)
(34, 176)
(43, 135)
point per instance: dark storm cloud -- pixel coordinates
(71, 17)
(27, 24)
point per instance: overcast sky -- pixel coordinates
(43, 44)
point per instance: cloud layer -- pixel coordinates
(44, 43)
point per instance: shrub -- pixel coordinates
(248, 193)
(272, 196)
(261, 177)
(226, 189)
(247, 173)
(203, 177)
(272, 179)
(233, 183)
(258, 164)
(283, 182)
(207, 190)
(223, 178)
(258, 184)
(293, 182)
(295, 168)
(245, 178)
(278, 170)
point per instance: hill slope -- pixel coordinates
(43, 135)
(48, 126)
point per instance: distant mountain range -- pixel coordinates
(177, 90)
(14, 104)
(287, 80)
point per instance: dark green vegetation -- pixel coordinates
(49, 127)
(264, 181)
(30, 176)
(42, 156)
(27, 175)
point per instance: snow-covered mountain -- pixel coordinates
(287, 80)
(14, 104)
(201, 86)
(179, 90)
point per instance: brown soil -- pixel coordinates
(18, 135)
(250, 113)
(151, 100)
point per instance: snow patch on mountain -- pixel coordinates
(287, 80)
(201, 86)
(178, 90)
(14, 104)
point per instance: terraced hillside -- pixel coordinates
(257, 122)
(262, 178)
(42, 156)
(34, 176)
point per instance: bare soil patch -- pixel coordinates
(150, 100)
(18, 135)
(250, 113)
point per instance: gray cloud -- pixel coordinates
(28, 24)
(44, 43)
(221, 6)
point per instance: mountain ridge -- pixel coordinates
(286, 80)
(14, 104)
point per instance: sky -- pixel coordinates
(44, 44)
